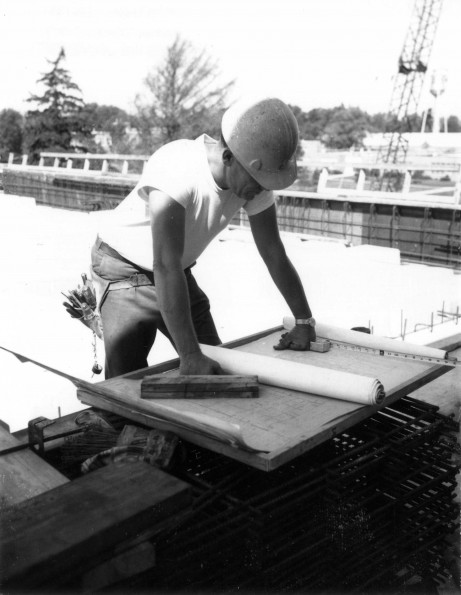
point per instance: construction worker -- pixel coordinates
(189, 192)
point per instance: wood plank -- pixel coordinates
(159, 386)
(23, 473)
(51, 537)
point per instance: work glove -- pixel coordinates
(298, 339)
(82, 306)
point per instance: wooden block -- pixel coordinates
(321, 345)
(199, 387)
(58, 535)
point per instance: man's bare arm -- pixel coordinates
(267, 238)
(168, 224)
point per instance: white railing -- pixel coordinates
(55, 159)
(356, 187)
(448, 193)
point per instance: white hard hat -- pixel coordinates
(263, 136)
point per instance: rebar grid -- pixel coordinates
(368, 510)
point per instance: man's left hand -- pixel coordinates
(298, 339)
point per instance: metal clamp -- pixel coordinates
(35, 429)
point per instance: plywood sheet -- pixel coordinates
(282, 423)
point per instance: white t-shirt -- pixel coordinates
(181, 170)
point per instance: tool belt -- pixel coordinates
(135, 280)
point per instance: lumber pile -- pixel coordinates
(59, 535)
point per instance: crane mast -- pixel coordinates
(408, 84)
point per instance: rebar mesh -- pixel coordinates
(367, 511)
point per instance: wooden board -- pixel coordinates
(281, 423)
(160, 386)
(64, 531)
(23, 473)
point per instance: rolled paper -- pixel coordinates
(342, 335)
(299, 376)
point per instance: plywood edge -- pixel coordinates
(257, 460)
(433, 372)
(299, 445)
(294, 447)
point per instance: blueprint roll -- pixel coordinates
(297, 376)
(350, 337)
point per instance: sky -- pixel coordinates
(310, 53)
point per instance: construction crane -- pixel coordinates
(408, 83)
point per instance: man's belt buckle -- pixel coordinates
(134, 280)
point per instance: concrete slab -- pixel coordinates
(43, 251)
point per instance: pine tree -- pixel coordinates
(57, 123)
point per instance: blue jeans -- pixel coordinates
(131, 316)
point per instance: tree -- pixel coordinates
(313, 124)
(116, 123)
(11, 126)
(346, 128)
(56, 124)
(453, 124)
(377, 122)
(185, 96)
(343, 127)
